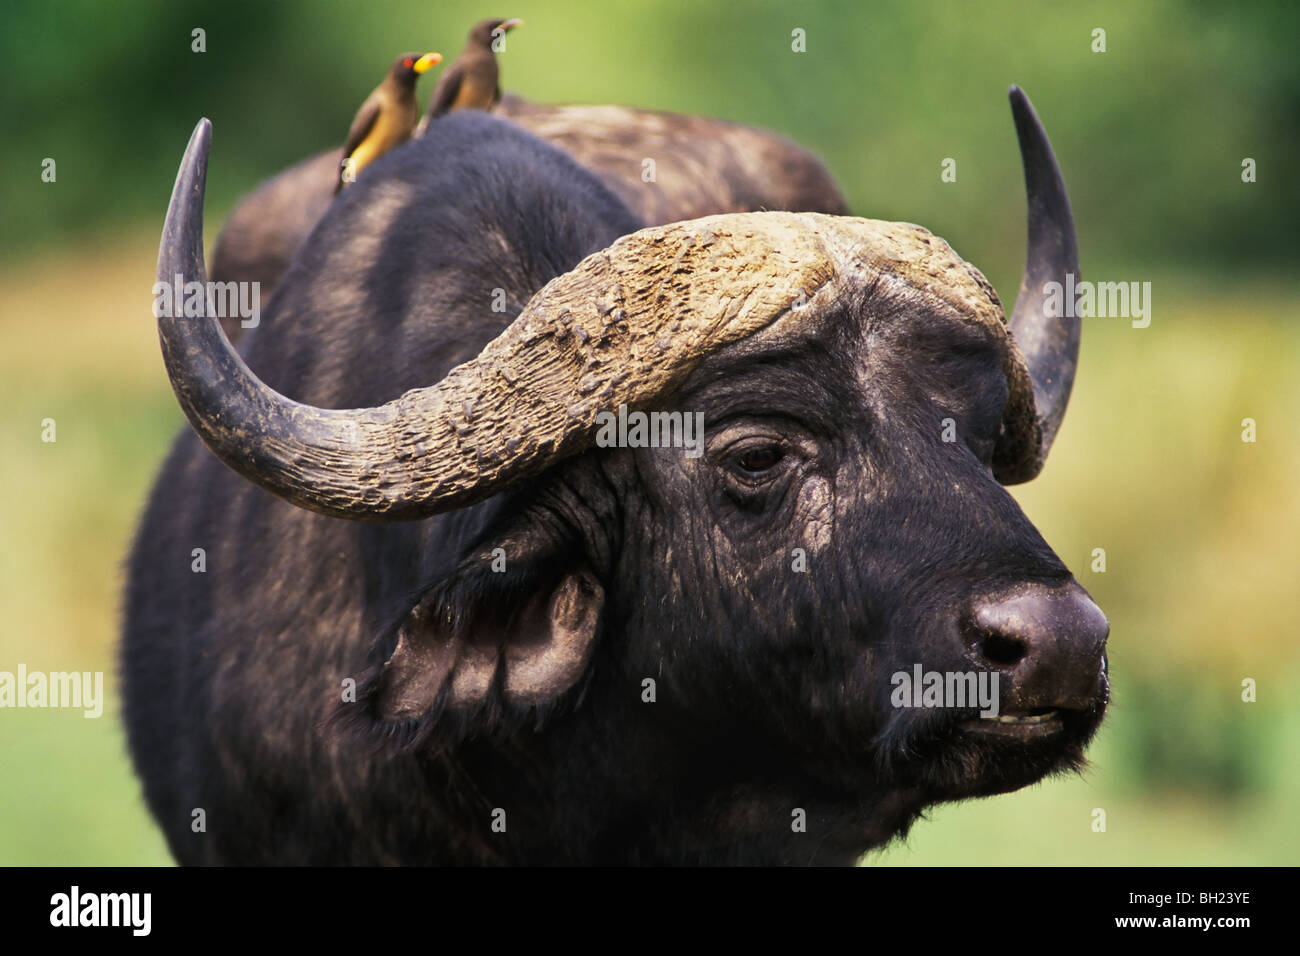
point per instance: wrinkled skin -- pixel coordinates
(772, 686)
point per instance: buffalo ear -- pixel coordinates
(457, 646)
(547, 659)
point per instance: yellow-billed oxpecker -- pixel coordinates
(472, 82)
(387, 117)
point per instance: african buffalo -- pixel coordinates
(440, 621)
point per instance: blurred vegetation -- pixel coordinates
(1201, 530)
(1151, 133)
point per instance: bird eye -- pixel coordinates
(408, 62)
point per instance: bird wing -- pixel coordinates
(444, 94)
(362, 124)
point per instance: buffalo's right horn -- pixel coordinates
(1049, 343)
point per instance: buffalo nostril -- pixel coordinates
(1002, 649)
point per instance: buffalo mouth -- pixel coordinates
(1033, 724)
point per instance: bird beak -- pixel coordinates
(426, 61)
(515, 22)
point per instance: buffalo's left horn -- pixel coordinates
(1049, 343)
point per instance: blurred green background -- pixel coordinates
(1201, 530)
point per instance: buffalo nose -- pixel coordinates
(1050, 642)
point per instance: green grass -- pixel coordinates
(69, 797)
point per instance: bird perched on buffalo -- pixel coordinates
(473, 81)
(387, 117)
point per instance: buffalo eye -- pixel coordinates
(756, 463)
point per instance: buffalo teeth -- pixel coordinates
(1037, 719)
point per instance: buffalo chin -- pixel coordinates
(983, 761)
(958, 758)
